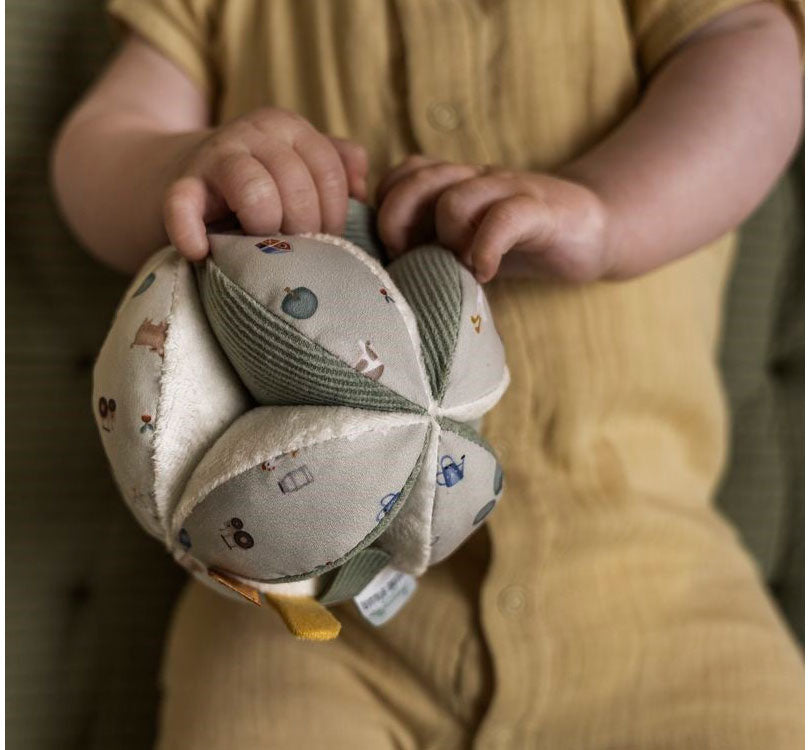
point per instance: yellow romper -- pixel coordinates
(606, 605)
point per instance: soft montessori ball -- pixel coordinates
(290, 416)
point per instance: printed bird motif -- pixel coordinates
(369, 363)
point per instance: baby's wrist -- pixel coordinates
(607, 236)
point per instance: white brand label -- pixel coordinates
(385, 595)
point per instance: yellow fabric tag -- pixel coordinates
(305, 618)
(251, 594)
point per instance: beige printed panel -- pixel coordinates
(126, 384)
(469, 482)
(163, 391)
(301, 512)
(478, 374)
(342, 300)
(407, 538)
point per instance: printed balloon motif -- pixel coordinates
(299, 303)
(484, 512)
(145, 284)
(497, 482)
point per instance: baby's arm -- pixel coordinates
(717, 123)
(137, 164)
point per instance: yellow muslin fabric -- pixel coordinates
(606, 605)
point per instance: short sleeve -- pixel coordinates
(182, 30)
(659, 26)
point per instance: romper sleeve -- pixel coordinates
(659, 26)
(182, 30)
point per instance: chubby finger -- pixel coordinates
(460, 209)
(355, 163)
(184, 208)
(506, 224)
(250, 192)
(329, 176)
(408, 165)
(406, 214)
(300, 204)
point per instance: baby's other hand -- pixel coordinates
(548, 224)
(271, 168)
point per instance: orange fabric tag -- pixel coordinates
(240, 588)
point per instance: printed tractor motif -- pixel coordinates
(272, 246)
(234, 532)
(449, 472)
(369, 363)
(152, 335)
(106, 410)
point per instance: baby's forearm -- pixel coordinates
(716, 125)
(136, 165)
(111, 173)
(116, 152)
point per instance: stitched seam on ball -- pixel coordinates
(492, 395)
(206, 489)
(161, 405)
(467, 433)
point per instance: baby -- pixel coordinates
(554, 146)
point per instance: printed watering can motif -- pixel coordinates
(449, 472)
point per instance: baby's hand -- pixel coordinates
(273, 170)
(548, 223)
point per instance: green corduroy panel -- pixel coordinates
(354, 575)
(429, 279)
(281, 366)
(361, 229)
(467, 432)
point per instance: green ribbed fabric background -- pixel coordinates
(762, 360)
(428, 278)
(353, 576)
(88, 594)
(362, 231)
